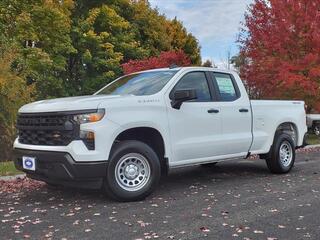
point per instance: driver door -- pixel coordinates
(195, 128)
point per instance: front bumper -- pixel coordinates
(60, 168)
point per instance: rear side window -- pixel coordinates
(197, 81)
(226, 88)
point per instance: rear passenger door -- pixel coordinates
(235, 113)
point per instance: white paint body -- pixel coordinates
(191, 135)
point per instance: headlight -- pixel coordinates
(89, 117)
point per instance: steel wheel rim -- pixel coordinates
(317, 131)
(285, 154)
(132, 172)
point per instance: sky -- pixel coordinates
(215, 23)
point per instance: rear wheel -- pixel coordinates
(133, 171)
(282, 154)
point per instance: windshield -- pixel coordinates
(139, 84)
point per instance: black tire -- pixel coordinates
(209, 165)
(114, 186)
(275, 162)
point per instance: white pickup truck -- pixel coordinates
(122, 138)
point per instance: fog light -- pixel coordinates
(88, 139)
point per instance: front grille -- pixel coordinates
(46, 129)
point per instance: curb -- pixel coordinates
(312, 146)
(11, 178)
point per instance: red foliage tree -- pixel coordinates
(281, 48)
(165, 59)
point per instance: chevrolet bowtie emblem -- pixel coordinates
(56, 135)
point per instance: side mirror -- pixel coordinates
(181, 96)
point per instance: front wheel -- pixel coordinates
(133, 171)
(282, 154)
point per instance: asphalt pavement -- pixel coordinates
(233, 200)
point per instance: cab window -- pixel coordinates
(226, 87)
(198, 82)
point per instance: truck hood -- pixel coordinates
(66, 104)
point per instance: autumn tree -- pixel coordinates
(164, 60)
(14, 92)
(280, 50)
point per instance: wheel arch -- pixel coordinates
(290, 128)
(287, 127)
(148, 135)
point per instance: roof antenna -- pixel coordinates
(173, 66)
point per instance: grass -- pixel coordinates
(8, 169)
(313, 139)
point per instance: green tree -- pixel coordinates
(44, 32)
(180, 39)
(150, 27)
(74, 47)
(108, 33)
(103, 39)
(157, 33)
(41, 28)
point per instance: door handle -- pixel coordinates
(243, 110)
(212, 110)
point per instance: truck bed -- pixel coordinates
(267, 115)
